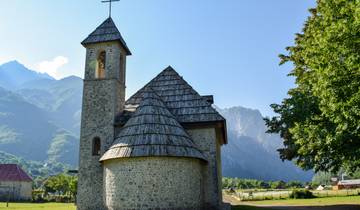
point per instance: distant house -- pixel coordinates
(321, 187)
(347, 184)
(15, 184)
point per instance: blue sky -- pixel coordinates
(228, 48)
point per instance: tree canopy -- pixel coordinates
(320, 119)
(62, 184)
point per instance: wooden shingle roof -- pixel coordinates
(179, 97)
(106, 32)
(152, 131)
(13, 172)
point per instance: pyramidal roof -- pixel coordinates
(106, 32)
(152, 131)
(179, 97)
(12, 172)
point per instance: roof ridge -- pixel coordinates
(179, 97)
(153, 79)
(106, 32)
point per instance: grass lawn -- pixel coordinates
(309, 202)
(35, 206)
(244, 207)
(327, 201)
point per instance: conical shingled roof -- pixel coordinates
(106, 32)
(152, 131)
(179, 97)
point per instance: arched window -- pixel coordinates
(96, 146)
(100, 69)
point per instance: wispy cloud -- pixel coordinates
(52, 67)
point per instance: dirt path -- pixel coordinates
(231, 199)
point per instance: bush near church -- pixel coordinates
(301, 194)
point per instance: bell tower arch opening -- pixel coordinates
(100, 71)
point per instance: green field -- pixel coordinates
(35, 206)
(326, 201)
(258, 194)
(243, 207)
(310, 202)
(354, 200)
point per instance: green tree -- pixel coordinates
(294, 184)
(278, 185)
(61, 184)
(73, 183)
(356, 174)
(264, 185)
(322, 178)
(320, 120)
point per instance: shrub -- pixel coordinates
(296, 194)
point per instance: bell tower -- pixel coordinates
(103, 98)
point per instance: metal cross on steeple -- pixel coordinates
(109, 1)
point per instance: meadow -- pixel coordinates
(352, 202)
(310, 202)
(258, 194)
(248, 205)
(36, 206)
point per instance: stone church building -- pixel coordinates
(160, 149)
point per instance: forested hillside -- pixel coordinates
(39, 117)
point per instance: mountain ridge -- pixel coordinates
(43, 115)
(14, 74)
(252, 152)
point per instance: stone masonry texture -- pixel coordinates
(153, 183)
(205, 139)
(102, 100)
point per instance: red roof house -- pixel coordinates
(14, 183)
(13, 172)
(348, 184)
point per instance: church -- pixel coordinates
(159, 149)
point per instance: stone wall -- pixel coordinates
(102, 100)
(207, 141)
(19, 191)
(153, 183)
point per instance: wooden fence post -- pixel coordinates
(8, 199)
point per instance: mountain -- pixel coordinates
(61, 99)
(40, 121)
(34, 168)
(13, 75)
(27, 131)
(251, 152)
